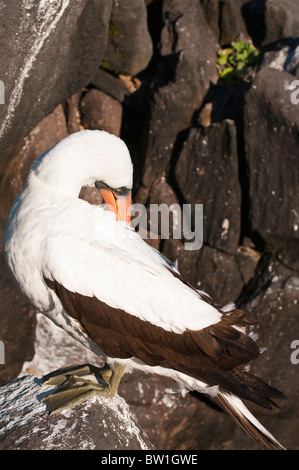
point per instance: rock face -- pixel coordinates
(101, 111)
(186, 66)
(233, 25)
(271, 117)
(147, 71)
(282, 19)
(98, 424)
(272, 299)
(129, 47)
(207, 173)
(49, 50)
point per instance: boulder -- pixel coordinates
(98, 424)
(101, 111)
(115, 86)
(207, 173)
(283, 56)
(272, 299)
(51, 50)
(17, 322)
(129, 47)
(177, 423)
(271, 123)
(193, 422)
(232, 23)
(186, 67)
(281, 20)
(73, 117)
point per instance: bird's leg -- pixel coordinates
(78, 384)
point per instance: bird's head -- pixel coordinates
(89, 158)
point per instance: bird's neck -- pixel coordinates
(62, 183)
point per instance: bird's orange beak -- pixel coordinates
(120, 205)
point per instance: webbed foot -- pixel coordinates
(79, 383)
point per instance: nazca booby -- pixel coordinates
(86, 269)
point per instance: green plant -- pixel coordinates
(234, 61)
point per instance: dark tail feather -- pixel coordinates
(236, 409)
(250, 387)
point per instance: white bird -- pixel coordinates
(86, 269)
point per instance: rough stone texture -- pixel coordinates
(272, 298)
(193, 422)
(233, 26)
(271, 142)
(99, 424)
(114, 86)
(73, 113)
(17, 321)
(47, 133)
(284, 56)
(129, 47)
(281, 20)
(49, 51)
(212, 11)
(186, 67)
(100, 111)
(207, 173)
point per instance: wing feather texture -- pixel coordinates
(141, 308)
(210, 354)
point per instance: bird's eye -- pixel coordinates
(123, 191)
(101, 185)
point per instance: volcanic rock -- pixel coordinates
(233, 26)
(271, 123)
(99, 424)
(186, 67)
(49, 51)
(281, 20)
(100, 111)
(207, 173)
(272, 298)
(129, 47)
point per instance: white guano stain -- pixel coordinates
(225, 229)
(48, 15)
